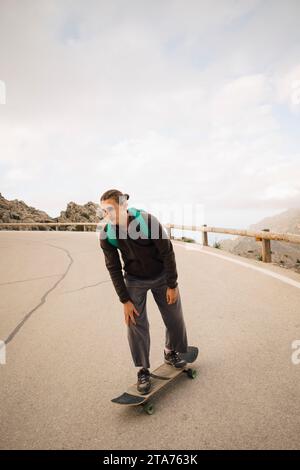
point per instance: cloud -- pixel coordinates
(157, 98)
(288, 89)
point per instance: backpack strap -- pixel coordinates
(111, 233)
(143, 224)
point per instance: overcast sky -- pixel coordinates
(173, 102)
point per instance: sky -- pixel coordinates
(174, 102)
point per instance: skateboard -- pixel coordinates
(161, 376)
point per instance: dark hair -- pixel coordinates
(114, 194)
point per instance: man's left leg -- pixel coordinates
(172, 315)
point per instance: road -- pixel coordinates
(67, 353)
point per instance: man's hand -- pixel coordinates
(172, 295)
(129, 311)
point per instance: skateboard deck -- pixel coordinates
(159, 378)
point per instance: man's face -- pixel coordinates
(113, 212)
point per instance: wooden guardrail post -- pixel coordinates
(266, 248)
(168, 228)
(204, 237)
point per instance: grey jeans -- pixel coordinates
(138, 335)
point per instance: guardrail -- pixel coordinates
(264, 236)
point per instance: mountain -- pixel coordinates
(77, 213)
(284, 254)
(17, 211)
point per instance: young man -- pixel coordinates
(149, 263)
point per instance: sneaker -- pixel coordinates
(144, 383)
(174, 359)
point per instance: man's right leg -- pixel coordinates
(138, 335)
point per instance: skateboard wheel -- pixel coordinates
(148, 408)
(192, 373)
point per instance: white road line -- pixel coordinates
(280, 277)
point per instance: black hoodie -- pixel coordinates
(144, 258)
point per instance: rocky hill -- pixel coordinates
(77, 213)
(286, 255)
(16, 211)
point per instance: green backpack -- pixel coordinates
(111, 233)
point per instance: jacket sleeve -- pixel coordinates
(164, 246)
(113, 264)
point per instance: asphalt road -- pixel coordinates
(67, 353)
